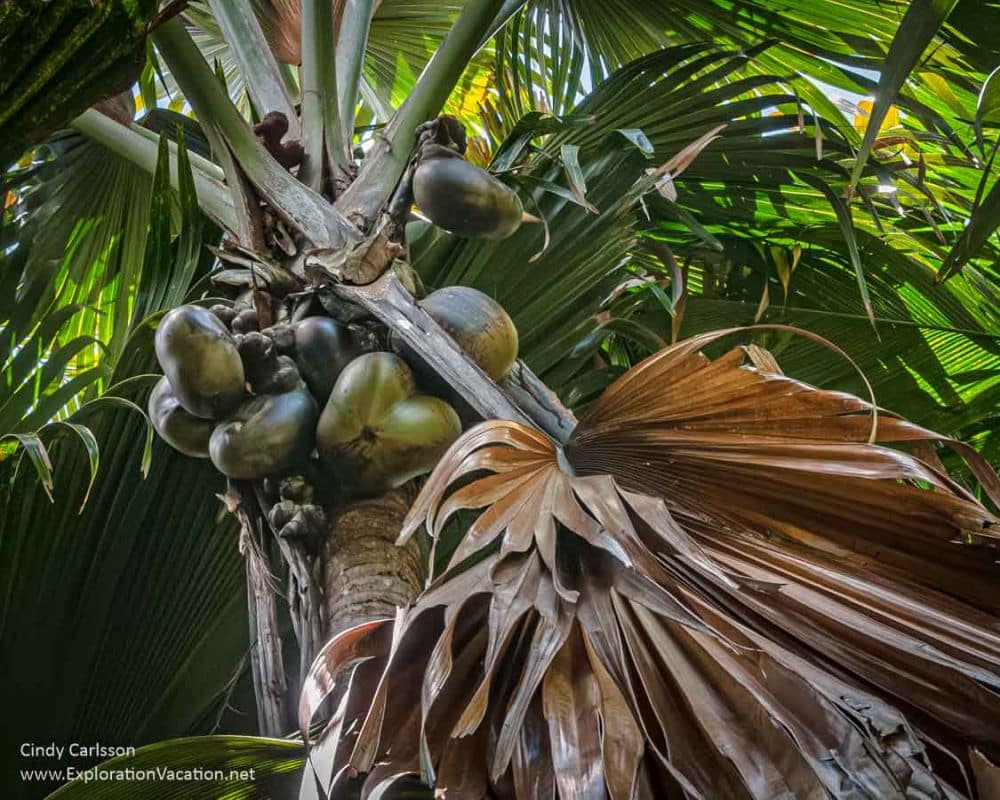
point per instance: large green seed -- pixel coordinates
(465, 199)
(268, 435)
(479, 325)
(200, 359)
(376, 433)
(180, 429)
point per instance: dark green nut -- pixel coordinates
(323, 348)
(465, 199)
(267, 435)
(178, 428)
(285, 378)
(200, 359)
(283, 336)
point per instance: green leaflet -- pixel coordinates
(917, 29)
(275, 766)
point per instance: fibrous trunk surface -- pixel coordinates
(367, 576)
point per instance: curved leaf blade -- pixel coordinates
(195, 768)
(920, 24)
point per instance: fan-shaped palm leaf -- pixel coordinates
(720, 586)
(124, 621)
(83, 267)
(936, 356)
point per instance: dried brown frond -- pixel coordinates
(727, 585)
(281, 21)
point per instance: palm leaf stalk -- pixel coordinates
(322, 132)
(257, 63)
(213, 197)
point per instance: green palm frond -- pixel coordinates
(760, 182)
(93, 251)
(200, 768)
(937, 355)
(127, 617)
(551, 53)
(129, 600)
(934, 354)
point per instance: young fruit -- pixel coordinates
(465, 199)
(178, 428)
(245, 321)
(200, 359)
(376, 432)
(267, 435)
(478, 324)
(322, 349)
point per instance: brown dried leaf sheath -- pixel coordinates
(720, 589)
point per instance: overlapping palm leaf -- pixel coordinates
(743, 196)
(728, 583)
(924, 165)
(97, 245)
(936, 356)
(874, 267)
(123, 621)
(817, 46)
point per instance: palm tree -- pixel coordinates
(764, 571)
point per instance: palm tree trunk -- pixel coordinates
(367, 576)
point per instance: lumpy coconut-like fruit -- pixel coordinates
(267, 435)
(178, 427)
(478, 324)
(376, 432)
(465, 199)
(199, 357)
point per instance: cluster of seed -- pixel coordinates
(266, 354)
(296, 516)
